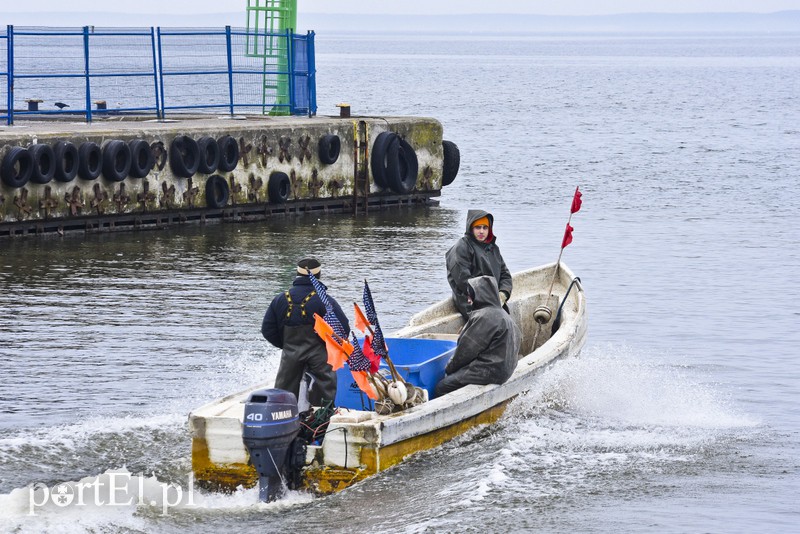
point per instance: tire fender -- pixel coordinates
(378, 157)
(402, 167)
(329, 147)
(278, 187)
(209, 155)
(90, 161)
(44, 163)
(217, 192)
(451, 163)
(67, 159)
(116, 160)
(17, 167)
(142, 158)
(184, 156)
(228, 153)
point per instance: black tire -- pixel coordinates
(142, 158)
(217, 192)
(90, 161)
(116, 160)
(452, 161)
(402, 167)
(209, 155)
(66, 158)
(329, 147)
(17, 167)
(44, 163)
(278, 187)
(228, 153)
(184, 156)
(378, 157)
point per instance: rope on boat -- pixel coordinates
(344, 432)
(315, 425)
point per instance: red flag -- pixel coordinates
(576, 202)
(374, 359)
(567, 236)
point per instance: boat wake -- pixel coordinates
(120, 472)
(121, 500)
(619, 388)
(594, 427)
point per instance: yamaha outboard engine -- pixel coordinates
(271, 423)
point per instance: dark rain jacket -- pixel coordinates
(488, 345)
(469, 258)
(291, 327)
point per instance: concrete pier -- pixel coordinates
(120, 172)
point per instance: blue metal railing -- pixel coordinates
(7, 41)
(190, 69)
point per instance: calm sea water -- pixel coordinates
(681, 415)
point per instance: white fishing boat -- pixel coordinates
(360, 442)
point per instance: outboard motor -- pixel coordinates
(271, 423)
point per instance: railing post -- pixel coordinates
(230, 65)
(161, 73)
(312, 75)
(86, 70)
(290, 68)
(10, 75)
(155, 70)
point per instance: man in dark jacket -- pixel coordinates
(289, 325)
(476, 254)
(488, 345)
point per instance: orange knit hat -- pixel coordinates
(483, 221)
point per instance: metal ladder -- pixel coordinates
(360, 167)
(267, 38)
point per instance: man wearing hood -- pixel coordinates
(488, 345)
(476, 254)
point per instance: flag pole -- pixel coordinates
(542, 314)
(395, 375)
(558, 263)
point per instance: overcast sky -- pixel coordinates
(433, 7)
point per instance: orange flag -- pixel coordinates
(363, 384)
(337, 351)
(362, 325)
(321, 327)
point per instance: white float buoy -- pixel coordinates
(398, 393)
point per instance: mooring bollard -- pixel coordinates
(33, 104)
(344, 110)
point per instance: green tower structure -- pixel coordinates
(268, 24)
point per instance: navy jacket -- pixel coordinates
(278, 314)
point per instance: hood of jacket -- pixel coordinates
(486, 292)
(474, 215)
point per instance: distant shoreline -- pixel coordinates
(782, 21)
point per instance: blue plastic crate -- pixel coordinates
(420, 362)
